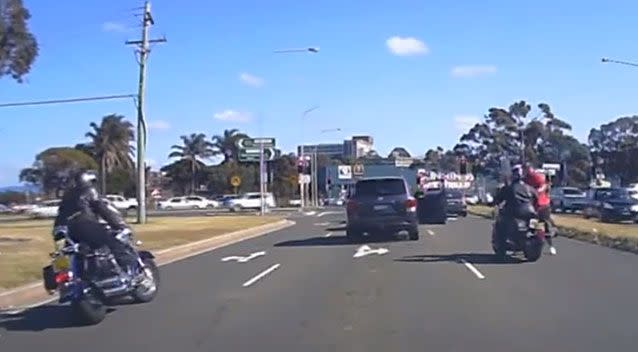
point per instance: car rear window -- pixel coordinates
(381, 187)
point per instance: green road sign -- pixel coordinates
(256, 142)
(252, 154)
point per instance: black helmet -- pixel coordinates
(85, 179)
(517, 172)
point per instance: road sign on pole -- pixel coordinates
(244, 143)
(253, 154)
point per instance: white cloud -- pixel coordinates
(464, 123)
(230, 115)
(115, 27)
(473, 71)
(406, 46)
(251, 80)
(150, 162)
(159, 125)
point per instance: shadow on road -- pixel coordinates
(336, 228)
(334, 241)
(315, 242)
(474, 258)
(40, 318)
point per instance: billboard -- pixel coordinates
(344, 172)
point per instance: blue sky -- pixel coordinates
(458, 59)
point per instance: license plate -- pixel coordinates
(381, 207)
(61, 263)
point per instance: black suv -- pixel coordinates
(381, 205)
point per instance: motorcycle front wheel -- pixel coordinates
(89, 310)
(146, 292)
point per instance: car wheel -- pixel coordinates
(353, 236)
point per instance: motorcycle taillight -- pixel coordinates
(62, 277)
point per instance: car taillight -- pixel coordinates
(351, 206)
(62, 277)
(410, 204)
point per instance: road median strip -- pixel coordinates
(168, 251)
(622, 237)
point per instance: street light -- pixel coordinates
(313, 50)
(627, 63)
(302, 185)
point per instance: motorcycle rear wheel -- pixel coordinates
(533, 249)
(90, 310)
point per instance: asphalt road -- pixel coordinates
(442, 293)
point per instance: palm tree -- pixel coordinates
(226, 144)
(194, 147)
(111, 145)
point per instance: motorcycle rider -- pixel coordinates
(542, 205)
(81, 209)
(519, 199)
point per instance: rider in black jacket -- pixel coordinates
(81, 209)
(519, 199)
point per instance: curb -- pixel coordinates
(33, 294)
(621, 244)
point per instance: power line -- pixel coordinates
(66, 101)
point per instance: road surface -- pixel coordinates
(312, 291)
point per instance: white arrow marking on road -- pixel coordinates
(473, 269)
(328, 213)
(310, 213)
(260, 275)
(328, 234)
(430, 232)
(240, 259)
(322, 223)
(366, 250)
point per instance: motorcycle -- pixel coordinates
(91, 279)
(524, 235)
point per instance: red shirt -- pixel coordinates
(537, 180)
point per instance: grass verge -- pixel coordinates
(24, 246)
(619, 236)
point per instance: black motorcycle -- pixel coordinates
(523, 235)
(90, 279)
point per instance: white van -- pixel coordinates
(251, 200)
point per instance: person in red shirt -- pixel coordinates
(537, 180)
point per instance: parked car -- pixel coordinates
(5, 209)
(568, 199)
(187, 202)
(456, 204)
(381, 205)
(251, 200)
(46, 209)
(611, 204)
(122, 203)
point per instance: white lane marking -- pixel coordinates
(241, 259)
(452, 219)
(328, 213)
(322, 223)
(473, 269)
(261, 274)
(328, 234)
(430, 232)
(366, 250)
(310, 213)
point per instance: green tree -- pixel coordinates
(285, 183)
(194, 148)
(616, 143)
(399, 152)
(220, 175)
(226, 144)
(18, 46)
(111, 145)
(54, 166)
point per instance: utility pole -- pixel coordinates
(144, 50)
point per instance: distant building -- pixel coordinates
(356, 147)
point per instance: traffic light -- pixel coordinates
(301, 167)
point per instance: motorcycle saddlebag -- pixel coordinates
(48, 276)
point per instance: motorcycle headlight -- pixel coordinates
(634, 207)
(607, 206)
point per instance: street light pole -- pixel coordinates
(313, 50)
(303, 186)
